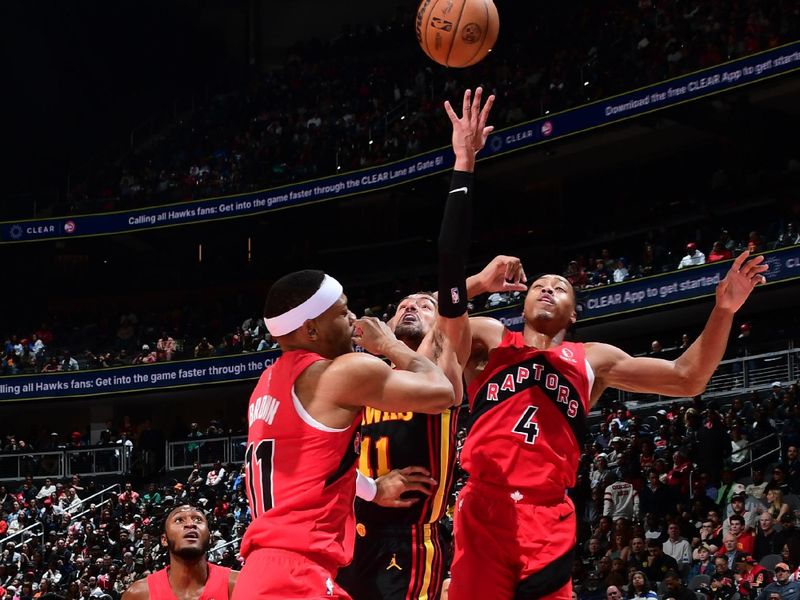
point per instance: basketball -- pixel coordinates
(457, 33)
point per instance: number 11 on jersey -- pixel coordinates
(365, 457)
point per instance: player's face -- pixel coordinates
(550, 300)
(415, 317)
(186, 533)
(334, 330)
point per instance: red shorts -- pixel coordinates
(507, 548)
(271, 574)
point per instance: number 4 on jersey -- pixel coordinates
(526, 426)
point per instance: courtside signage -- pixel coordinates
(743, 71)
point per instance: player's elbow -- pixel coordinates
(692, 386)
(441, 397)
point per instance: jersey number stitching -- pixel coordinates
(526, 426)
(259, 475)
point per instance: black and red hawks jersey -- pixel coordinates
(528, 417)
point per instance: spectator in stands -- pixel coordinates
(592, 589)
(782, 586)
(203, 349)
(757, 489)
(674, 588)
(730, 550)
(639, 557)
(621, 500)
(768, 539)
(719, 252)
(678, 548)
(713, 444)
(593, 553)
(639, 588)
(693, 257)
(146, 356)
(51, 366)
(755, 243)
(776, 507)
(68, 363)
(129, 495)
(216, 476)
(165, 347)
(738, 508)
(723, 581)
(703, 564)
(656, 497)
(621, 271)
(753, 577)
(743, 534)
(659, 563)
(788, 237)
(739, 455)
(791, 465)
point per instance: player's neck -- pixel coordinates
(542, 340)
(187, 573)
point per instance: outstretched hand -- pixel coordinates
(503, 274)
(470, 130)
(399, 481)
(373, 335)
(740, 281)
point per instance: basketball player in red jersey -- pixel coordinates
(401, 552)
(529, 395)
(189, 575)
(304, 435)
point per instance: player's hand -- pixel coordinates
(373, 335)
(470, 130)
(399, 481)
(740, 281)
(503, 274)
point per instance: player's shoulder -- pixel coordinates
(138, 590)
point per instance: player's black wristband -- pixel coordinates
(454, 241)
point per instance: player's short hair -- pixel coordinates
(737, 518)
(291, 290)
(183, 505)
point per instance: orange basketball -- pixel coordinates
(457, 33)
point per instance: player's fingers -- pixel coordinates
(421, 479)
(759, 280)
(514, 287)
(737, 264)
(405, 503)
(753, 266)
(448, 108)
(415, 470)
(467, 104)
(418, 487)
(485, 111)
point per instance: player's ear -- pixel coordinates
(573, 317)
(310, 328)
(164, 540)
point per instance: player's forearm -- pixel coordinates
(431, 385)
(454, 242)
(698, 363)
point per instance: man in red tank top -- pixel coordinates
(189, 575)
(304, 434)
(529, 396)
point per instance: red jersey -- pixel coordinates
(528, 417)
(216, 587)
(300, 474)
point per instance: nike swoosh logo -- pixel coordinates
(461, 189)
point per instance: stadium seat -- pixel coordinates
(697, 581)
(770, 560)
(793, 501)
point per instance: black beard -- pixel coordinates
(409, 333)
(190, 553)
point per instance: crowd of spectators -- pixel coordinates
(674, 496)
(332, 107)
(692, 497)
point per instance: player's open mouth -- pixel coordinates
(192, 535)
(547, 300)
(409, 318)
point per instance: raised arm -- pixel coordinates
(687, 375)
(451, 337)
(358, 379)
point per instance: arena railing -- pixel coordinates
(225, 545)
(764, 458)
(15, 466)
(736, 376)
(105, 460)
(203, 450)
(31, 527)
(84, 501)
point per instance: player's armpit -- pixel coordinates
(617, 369)
(359, 379)
(486, 333)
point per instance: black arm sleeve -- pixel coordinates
(454, 241)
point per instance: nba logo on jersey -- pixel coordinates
(568, 355)
(329, 586)
(357, 443)
(454, 296)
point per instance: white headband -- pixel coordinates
(326, 296)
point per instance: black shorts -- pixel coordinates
(397, 563)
